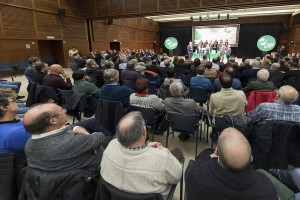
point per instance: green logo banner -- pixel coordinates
(171, 43)
(266, 43)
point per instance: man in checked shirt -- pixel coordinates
(281, 109)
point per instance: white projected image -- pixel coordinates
(218, 32)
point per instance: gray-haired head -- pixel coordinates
(130, 128)
(263, 75)
(130, 64)
(176, 89)
(275, 66)
(255, 63)
(111, 76)
(287, 94)
(247, 62)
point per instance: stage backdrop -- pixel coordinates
(217, 32)
(248, 36)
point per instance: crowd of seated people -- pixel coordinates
(128, 161)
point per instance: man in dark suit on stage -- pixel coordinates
(190, 50)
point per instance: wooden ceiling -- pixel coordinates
(103, 9)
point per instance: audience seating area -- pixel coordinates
(270, 140)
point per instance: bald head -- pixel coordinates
(130, 128)
(56, 69)
(287, 94)
(234, 150)
(43, 118)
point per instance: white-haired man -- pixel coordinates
(261, 84)
(281, 109)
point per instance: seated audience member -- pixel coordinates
(229, 63)
(166, 62)
(30, 70)
(112, 90)
(250, 73)
(196, 64)
(54, 146)
(129, 73)
(154, 67)
(140, 68)
(41, 70)
(171, 77)
(13, 135)
(142, 98)
(261, 84)
(178, 104)
(204, 60)
(274, 71)
(236, 83)
(228, 100)
(209, 71)
(57, 78)
(266, 64)
(82, 85)
(293, 72)
(95, 73)
(109, 65)
(123, 63)
(227, 173)
(281, 109)
(215, 65)
(245, 66)
(200, 80)
(132, 164)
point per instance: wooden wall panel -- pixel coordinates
(183, 4)
(22, 3)
(17, 22)
(148, 5)
(74, 7)
(145, 23)
(115, 7)
(124, 34)
(88, 9)
(114, 33)
(15, 50)
(46, 24)
(74, 28)
(124, 21)
(167, 5)
(47, 5)
(101, 30)
(102, 8)
(131, 6)
(132, 22)
(1, 27)
(100, 46)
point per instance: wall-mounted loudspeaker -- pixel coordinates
(61, 13)
(110, 21)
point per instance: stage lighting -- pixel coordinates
(207, 17)
(192, 19)
(228, 16)
(218, 16)
(200, 18)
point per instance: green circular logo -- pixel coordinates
(171, 43)
(266, 43)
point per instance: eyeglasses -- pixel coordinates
(57, 114)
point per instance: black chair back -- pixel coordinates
(106, 191)
(294, 82)
(277, 81)
(185, 123)
(200, 95)
(179, 71)
(153, 87)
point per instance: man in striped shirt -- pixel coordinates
(281, 109)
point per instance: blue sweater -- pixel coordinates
(116, 93)
(13, 137)
(199, 81)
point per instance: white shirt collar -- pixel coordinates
(42, 135)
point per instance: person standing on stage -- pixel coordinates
(222, 51)
(215, 46)
(227, 52)
(190, 50)
(207, 51)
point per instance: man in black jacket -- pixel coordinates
(227, 174)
